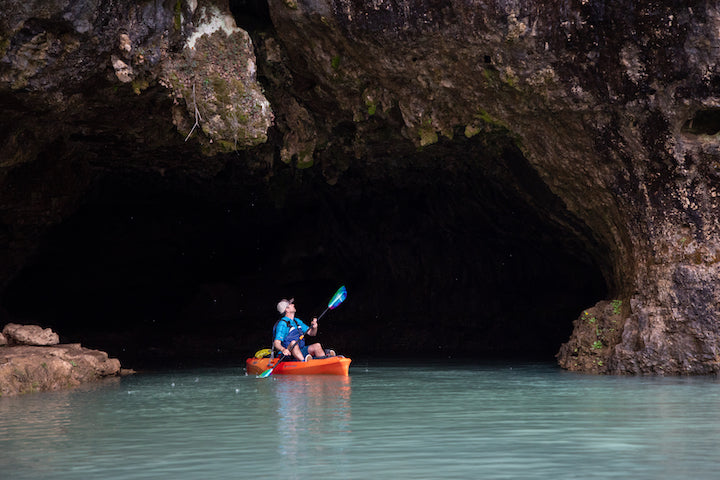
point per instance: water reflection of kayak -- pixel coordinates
(323, 366)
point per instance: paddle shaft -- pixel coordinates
(332, 303)
(290, 347)
(269, 371)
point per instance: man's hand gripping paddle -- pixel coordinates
(334, 302)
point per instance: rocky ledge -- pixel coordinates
(33, 360)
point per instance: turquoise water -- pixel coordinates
(404, 421)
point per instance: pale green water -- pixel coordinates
(413, 421)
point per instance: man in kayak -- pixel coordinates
(289, 332)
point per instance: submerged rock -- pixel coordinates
(32, 368)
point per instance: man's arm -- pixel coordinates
(312, 331)
(278, 346)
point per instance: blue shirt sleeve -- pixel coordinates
(282, 330)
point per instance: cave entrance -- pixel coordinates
(471, 256)
(251, 15)
(705, 122)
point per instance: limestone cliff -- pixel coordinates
(612, 104)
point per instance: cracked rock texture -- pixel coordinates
(34, 361)
(28, 369)
(613, 103)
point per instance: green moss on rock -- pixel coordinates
(428, 135)
(472, 130)
(216, 79)
(177, 18)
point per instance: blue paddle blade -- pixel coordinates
(338, 298)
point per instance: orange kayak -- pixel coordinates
(324, 366)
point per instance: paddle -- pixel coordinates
(269, 371)
(334, 302)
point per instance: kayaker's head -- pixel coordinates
(284, 304)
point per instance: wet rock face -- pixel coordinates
(612, 107)
(29, 335)
(88, 51)
(33, 361)
(612, 103)
(92, 87)
(26, 369)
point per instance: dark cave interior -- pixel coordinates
(470, 256)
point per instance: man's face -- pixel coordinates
(290, 308)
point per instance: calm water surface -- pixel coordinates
(414, 421)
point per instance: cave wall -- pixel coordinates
(601, 98)
(597, 117)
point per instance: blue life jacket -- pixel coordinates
(295, 333)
